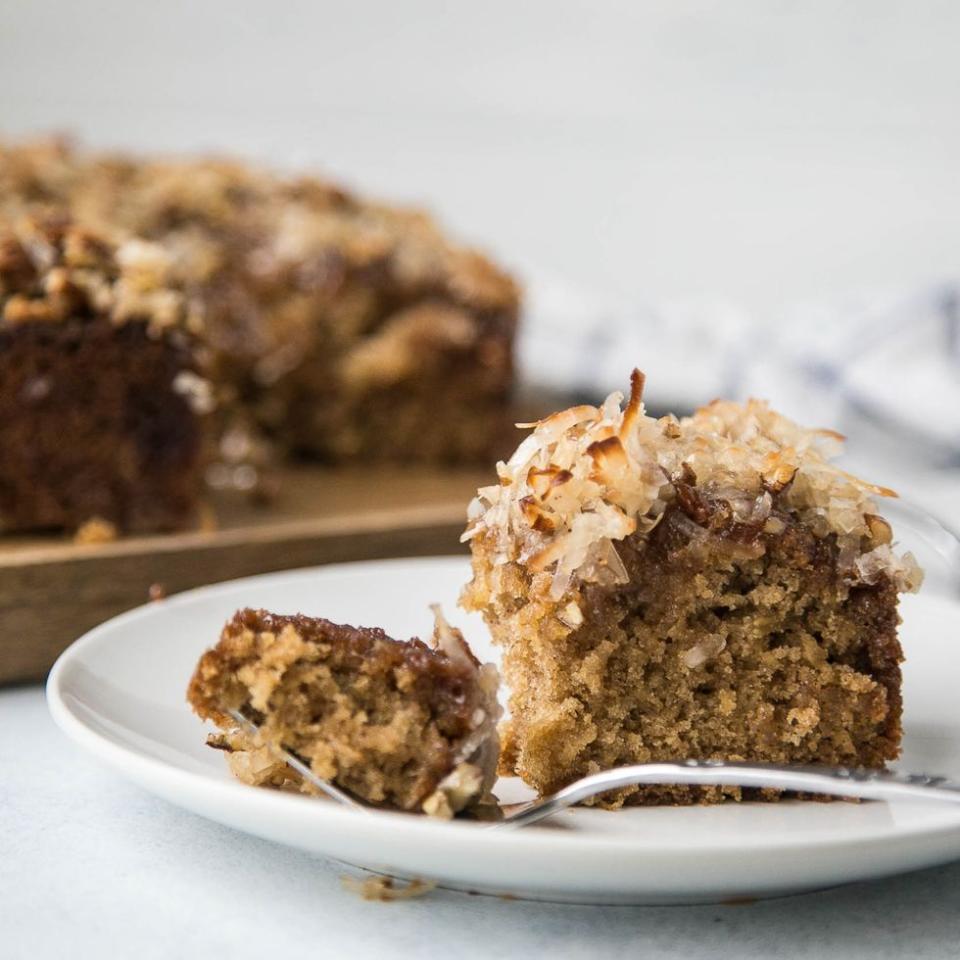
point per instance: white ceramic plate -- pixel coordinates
(119, 693)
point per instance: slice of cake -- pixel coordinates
(102, 399)
(399, 724)
(711, 587)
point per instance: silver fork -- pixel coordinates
(829, 781)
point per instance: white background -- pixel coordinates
(757, 150)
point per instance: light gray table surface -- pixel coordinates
(91, 866)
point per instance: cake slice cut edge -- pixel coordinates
(401, 725)
(104, 398)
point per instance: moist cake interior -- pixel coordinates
(94, 352)
(90, 427)
(397, 723)
(714, 649)
(705, 588)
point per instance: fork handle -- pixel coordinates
(831, 781)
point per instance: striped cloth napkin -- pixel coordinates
(877, 363)
(884, 369)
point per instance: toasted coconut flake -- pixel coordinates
(671, 426)
(882, 561)
(536, 516)
(590, 476)
(541, 482)
(571, 615)
(611, 465)
(910, 573)
(634, 408)
(449, 640)
(563, 419)
(871, 487)
(779, 468)
(709, 647)
(550, 554)
(608, 454)
(609, 558)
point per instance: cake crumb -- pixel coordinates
(387, 889)
(96, 530)
(742, 901)
(329, 693)
(207, 519)
(157, 592)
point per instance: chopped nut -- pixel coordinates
(634, 407)
(671, 426)
(454, 792)
(708, 648)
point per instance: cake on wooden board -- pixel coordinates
(711, 587)
(331, 327)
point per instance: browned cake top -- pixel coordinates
(298, 231)
(52, 270)
(590, 476)
(439, 677)
(37, 173)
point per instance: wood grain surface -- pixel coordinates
(52, 590)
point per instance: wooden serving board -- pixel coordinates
(52, 590)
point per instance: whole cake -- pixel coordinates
(711, 587)
(330, 326)
(400, 724)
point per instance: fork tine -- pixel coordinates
(324, 786)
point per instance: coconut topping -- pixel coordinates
(589, 476)
(299, 233)
(52, 270)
